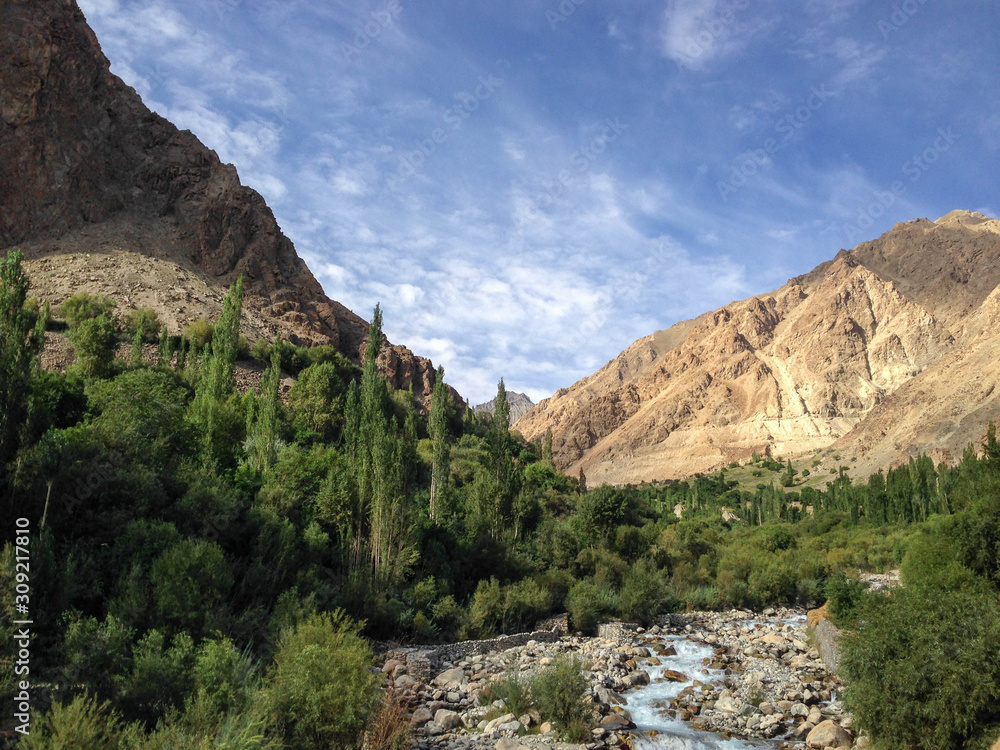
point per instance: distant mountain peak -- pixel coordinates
(520, 405)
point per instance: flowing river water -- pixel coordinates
(645, 703)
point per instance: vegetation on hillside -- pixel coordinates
(207, 567)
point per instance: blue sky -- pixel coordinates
(529, 186)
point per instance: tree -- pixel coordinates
(317, 398)
(547, 449)
(216, 375)
(21, 341)
(788, 477)
(165, 349)
(262, 418)
(377, 453)
(502, 469)
(440, 450)
(138, 337)
(94, 342)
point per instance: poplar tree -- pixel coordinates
(140, 328)
(216, 378)
(262, 417)
(440, 449)
(377, 452)
(22, 335)
(503, 471)
(165, 350)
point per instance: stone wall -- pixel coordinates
(424, 662)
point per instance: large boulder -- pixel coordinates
(451, 678)
(829, 734)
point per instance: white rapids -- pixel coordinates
(674, 734)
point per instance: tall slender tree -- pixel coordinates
(440, 449)
(263, 415)
(377, 451)
(22, 335)
(502, 467)
(216, 376)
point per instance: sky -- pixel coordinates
(528, 186)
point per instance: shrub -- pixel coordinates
(146, 319)
(923, 667)
(94, 342)
(323, 690)
(558, 692)
(199, 333)
(189, 582)
(844, 595)
(643, 595)
(82, 306)
(84, 724)
(588, 603)
(389, 728)
(510, 689)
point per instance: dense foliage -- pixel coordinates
(232, 549)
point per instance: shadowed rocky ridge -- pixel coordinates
(107, 197)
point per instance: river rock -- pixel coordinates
(451, 678)
(829, 734)
(420, 717)
(447, 719)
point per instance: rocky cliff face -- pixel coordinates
(860, 355)
(88, 172)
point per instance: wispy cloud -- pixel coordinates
(528, 243)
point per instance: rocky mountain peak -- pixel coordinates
(862, 353)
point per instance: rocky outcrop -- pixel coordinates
(860, 355)
(86, 170)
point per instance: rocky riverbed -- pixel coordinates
(700, 680)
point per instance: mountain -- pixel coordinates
(104, 196)
(520, 404)
(887, 350)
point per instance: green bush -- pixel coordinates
(199, 332)
(322, 687)
(643, 596)
(189, 583)
(588, 604)
(512, 690)
(84, 724)
(82, 306)
(146, 319)
(923, 667)
(844, 596)
(559, 693)
(94, 343)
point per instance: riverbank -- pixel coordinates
(734, 674)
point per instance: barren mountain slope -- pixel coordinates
(785, 373)
(86, 168)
